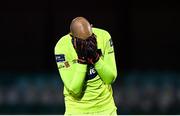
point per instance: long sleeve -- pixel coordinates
(106, 67)
(71, 73)
(73, 77)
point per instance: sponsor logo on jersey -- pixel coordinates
(60, 58)
(92, 73)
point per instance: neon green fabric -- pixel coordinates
(87, 89)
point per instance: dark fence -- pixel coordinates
(147, 92)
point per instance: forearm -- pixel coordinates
(106, 71)
(74, 78)
(76, 84)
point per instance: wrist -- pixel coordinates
(81, 61)
(99, 64)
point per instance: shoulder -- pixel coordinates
(103, 36)
(62, 44)
(101, 32)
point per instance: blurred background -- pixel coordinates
(146, 40)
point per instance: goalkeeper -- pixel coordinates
(87, 67)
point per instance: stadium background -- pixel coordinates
(146, 40)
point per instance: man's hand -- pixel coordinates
(86, 50)
(91, 49)
(80, 47)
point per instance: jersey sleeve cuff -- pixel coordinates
(99, 64)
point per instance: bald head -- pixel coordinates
(81, 28)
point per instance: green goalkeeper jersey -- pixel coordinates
(87, 89)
